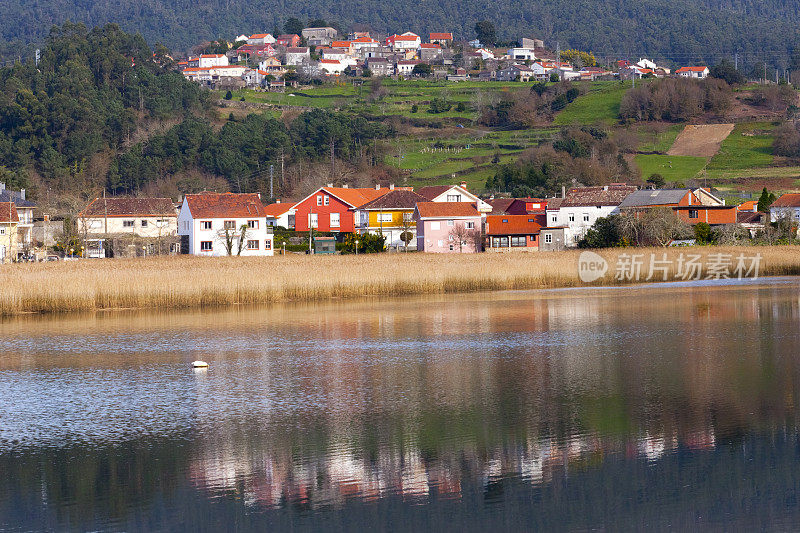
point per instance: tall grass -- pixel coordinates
(184, 282)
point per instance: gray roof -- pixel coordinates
(650, 197)
(16, 197)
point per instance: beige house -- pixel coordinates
(143, 217)
(24, 210)
(8, 232)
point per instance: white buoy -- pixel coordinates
(199, 364)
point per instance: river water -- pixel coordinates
(653, 408)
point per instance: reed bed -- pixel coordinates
(186, 282)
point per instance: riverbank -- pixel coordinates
(186, 282)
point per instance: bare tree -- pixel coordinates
(476, 238)
(406, 225)
(229, 240)
(459, 233)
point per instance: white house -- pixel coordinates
(280, 214)
(406, 41)
(297, 55)
(454, 193)
(332, 67)
(142, 217)
(521, 54)
(788, 206)
(582, 206)
(261, 38)
(693, 72)
(208, 221)
(406, 66)
(212, 60)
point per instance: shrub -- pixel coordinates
(228, 95)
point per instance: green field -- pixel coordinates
(673, 168)
(749, 146)
(599, 105)
(652, 141)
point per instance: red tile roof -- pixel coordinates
(353, 197)
(222, 205)
(514, 224)
(588, 196)
(500, 205)
(129, 207)
(441, 36)
(8, 212)
(276, 210)
(395, 199)
(691, 69)
(340, 44)
(787, 200)
(209, 56)
(433, 191)
(446, 209)
(430, 46)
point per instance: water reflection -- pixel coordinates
(575, 409)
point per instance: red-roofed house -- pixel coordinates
(692, 72)
(332, 67)
(407, 41)
(441, 38)
(280, 214)
(514, 232)
(332, 208)
(261, 38)
(212, 60)
(288, 40)
(439, 222)
(217, 224)
(787, 206)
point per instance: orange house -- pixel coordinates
(513, 232)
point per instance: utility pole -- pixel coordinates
(282, 181)
(736, 61)
(271, 196)
(332, 163)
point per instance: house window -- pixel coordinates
(205, 246)
(334, 219)
(586, 217)
(518, 241)
(572, 217)
(268, 245)
(450, 238)
(548, 238)
(319, 199)
(453, 197)
(313, 220)
(327, 200)
(407, 217)
(127, 223)
(144, 223)
(692, 213)
(252, 245)
(435, 226)
(252, 224)
(205, 224)
(505, 221)
(452, 248)
(451, 222)
(470, 225)
(384, 217)
(533, 238)
(229, 224)
(554, 218)
(499, 242)
(2, 231)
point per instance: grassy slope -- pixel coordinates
(749, 146)
(673, 168)
(599, 105)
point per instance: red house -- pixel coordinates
(513, 232)
(332, 208)
(288, 41)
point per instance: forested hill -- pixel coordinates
(681, 30)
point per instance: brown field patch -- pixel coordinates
(700, 140)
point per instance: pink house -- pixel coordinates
(439, 222)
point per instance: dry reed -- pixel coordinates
(184, 282)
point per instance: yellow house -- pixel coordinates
(9, 220)
(392, 216)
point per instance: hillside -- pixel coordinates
(681, 30)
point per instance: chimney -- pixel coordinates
(47, 218)
(330, 185)
(345, 185)
(391, 186)
(22, 194)
(377, 186)
(2, 186)
(463, 185)
(277, 201)
(563, 192)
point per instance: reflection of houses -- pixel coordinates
(391, 215)
(210, 223)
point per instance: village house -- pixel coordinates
(332, 67)
(515, 73)
(297, 55)
(391, 215)
(518, 206)
(687, 205)
(582, 206)
(406, 67)
(280, 215)
(505, 232)
(379, 66)
(459, 74)
(336, 54)
(444, 38)
(24, 209)
(787, 206)
(214, 75)
(345, 47)
(454, 193)
(521, 54)
(9, 235)
(406, 41)
(319, 36)
(247, 51)
(272, 65)
(693, 72)
(261, 38)
(288, 40)
(430, 52)
(211, 223)
(124, 220)
(364, 45)
(445, 227)
(333, 208)
(208, 61)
